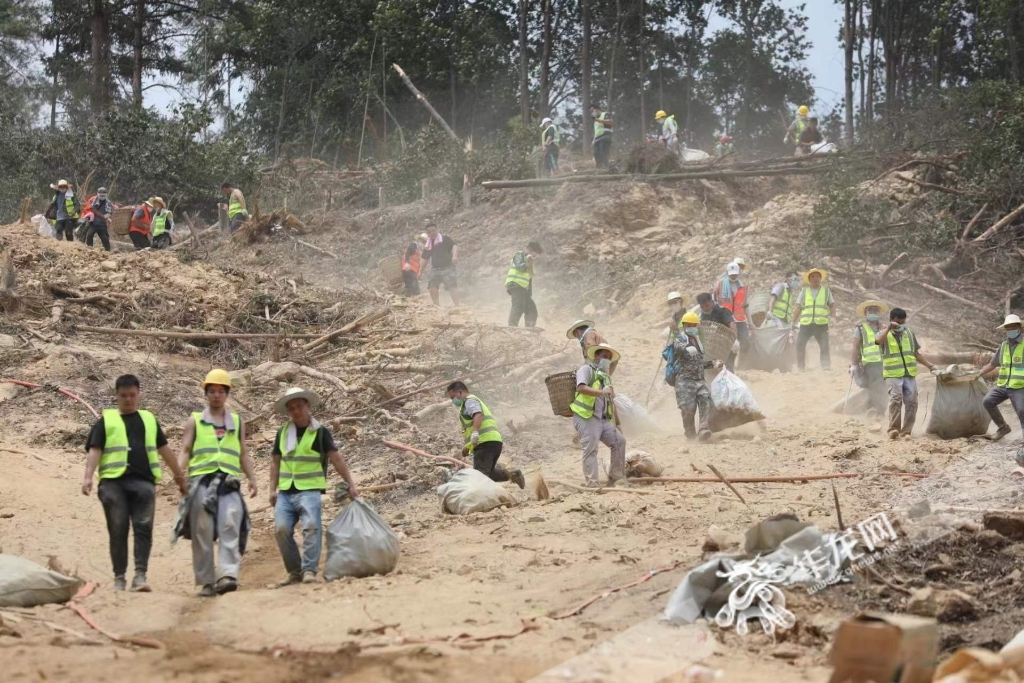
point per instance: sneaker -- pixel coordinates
(207, 591)
(139, 583)
(517, 478)
(291, 580)
(704, 436)
(226, 584)
(308, 577)
(1000, 433)
(119, 583)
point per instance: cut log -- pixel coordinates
(430, 410)
(203, 336)
(973, 222)
(955, 297)
(1000, 224)
(351, 327)
(323, 376)
(700, 175)
(423, 100)
(896, 261)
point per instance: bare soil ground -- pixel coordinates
(486, 574)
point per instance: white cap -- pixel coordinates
(674, 296)
(1011, 319)
(545, 122)
(732, 269)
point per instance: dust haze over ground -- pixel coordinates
(511, 573)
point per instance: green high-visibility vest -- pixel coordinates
(114, 461)
(209, 454)
(1011, 367)
(69, 207)
(488, 426)
(898, 359)
(583, 405)
(301, 466)
(159, 224)
(801, 126)
(599, 128)
(518, 277)
(234, 206)
(780, 309)
(556, 136)
(815, 309)
(870, 352)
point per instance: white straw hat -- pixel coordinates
(281, 405)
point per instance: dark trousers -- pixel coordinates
(139, 240)
(66, 227)
(412, 283)
(485, 459)
(162, 241)
(743, 337)
(100, 230)
(997, 395)
(522, 304)
(602, 150)
(820, 333)
(128, 499)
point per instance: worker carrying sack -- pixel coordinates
(359, 543)
(471, 490)
(23, 583)
(732, 403)
(958, 411)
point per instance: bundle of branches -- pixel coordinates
(260, 227)
(651, 157)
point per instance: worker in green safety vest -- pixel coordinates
(235, 208)
(298, 480)
(602, 135)
(64, 209)
(866, 355)
(593, 410)
(480, 435)
(124, 444)
(1009, 358)
(161, 224)
(813, 311)
(215, 456)
(798, 126)
(780, 301)
(519, 285)
(901, 354)
(550, 142)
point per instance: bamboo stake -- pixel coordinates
(726, 482)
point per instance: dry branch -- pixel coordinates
(931, 186)
(204, 336)
(758, 480)
(1000, 224)
(351, 327)
(415, 451)
(323, 376)
(318, 249)
(701, 175)
(954, 297)
(442, 385)
(416, 368)
(423, 100)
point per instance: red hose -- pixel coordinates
(67, 393)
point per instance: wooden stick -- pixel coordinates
(127, 640)
(1000, 224)
(706, 175)
(351, 327)
(932, 186)
(600, 490)
(417, 368)
(330, 379)
(643, 579)
(839, 512)
(895, 262)
(423, 100)
(967, 230)
(208, 336)
(757, 480)
(415, 451)
(726, 482)
(189, 240)
(318, 249)
(442, 385)
(955, 297)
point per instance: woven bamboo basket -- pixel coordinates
(121, 220)
(717, 340)
(757, 308)
(391, 269)
(561, 392)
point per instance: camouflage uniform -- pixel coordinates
(692, 395)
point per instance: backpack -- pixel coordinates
(671, 367)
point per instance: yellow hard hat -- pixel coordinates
(690, 318)
(803, 110)
(660, 115)
(217, 376)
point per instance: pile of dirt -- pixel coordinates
(650, 157)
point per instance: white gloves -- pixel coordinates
(691, 350)
(736, 346)
(475, 438)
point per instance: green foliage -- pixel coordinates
(844, 215)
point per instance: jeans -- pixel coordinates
(902, 399)
(485, 459)
(997, 395)
(66, 227)
(100, 230)
(522, 305)
(298, 507)
(128, 499)
(227, 525)
(820, 333)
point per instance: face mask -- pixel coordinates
(872, 317)
(1012, 334)
(604, 364)
(900, 328)
(692, 331)
(794, 284)
(457, 402)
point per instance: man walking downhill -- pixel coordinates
(64, 209)
(780, 302)
(692, 395)
(124, 444)
(900, 356)
(101, 209)
(214, 451)
(814, 309)
(519, 285)
(480, 435)
(1009, 358)
(443, 254)
(298, 478)
(594, 417)
(866, 355)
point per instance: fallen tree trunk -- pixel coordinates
(430, 410)
(955, 297)
(351, 327)
(758, 480)
(423, 100)
(700, 175)
(330, 379)
(203, 336)
(1000, 224)
(538, 364)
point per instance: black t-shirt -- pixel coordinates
(718, 314)
(440, 255)
(138, 459)
(323, 444)
(811, 136)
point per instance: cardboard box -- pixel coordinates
(885, 648)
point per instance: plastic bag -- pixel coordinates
(732, 403)
(634, 420)
(768, 349)
(957, 411)
(24, 583)
(642, 464)
(43, 227)
(469, 491)
(359, 543)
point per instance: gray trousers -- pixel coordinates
(902, 399)
(593, 432)
(876, 387)
(997, 395)
(228, 524)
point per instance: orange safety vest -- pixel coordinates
(141, 225)
(737, 305)
(415, 263)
